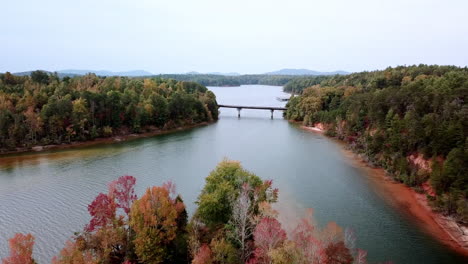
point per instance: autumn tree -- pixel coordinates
(21, 249)
(268, 236)
(223, 186)
(154, 220)
(305, 237)
(73, 253)
(223, 252)
(107, 236)
(243, 219)
(246, 212)
(203, 256)
(122, 191)
(338, 253)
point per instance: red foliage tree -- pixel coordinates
(21, 249)
(268, 235)
(123, 191)
(102, 211)
(338, 253)
(311, 247)
(203, 256)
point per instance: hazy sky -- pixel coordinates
(246, 36)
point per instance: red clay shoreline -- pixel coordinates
(102, 141)
(414, 205)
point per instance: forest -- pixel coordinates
(222, 80)
(410, 120)
(234, 223)
(43, 109)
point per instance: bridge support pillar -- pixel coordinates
(272, 113)
(238, 112)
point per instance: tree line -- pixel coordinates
(412, 121)
(222, 80)
(234, 223)
(43, 109)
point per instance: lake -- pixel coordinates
(47, 193)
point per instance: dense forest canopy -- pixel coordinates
(43, 109)
(395, 117)
(375, 79)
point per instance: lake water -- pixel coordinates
(46, 194)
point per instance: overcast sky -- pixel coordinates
(245, 36)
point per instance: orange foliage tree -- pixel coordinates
(21, 249)
(153, 218)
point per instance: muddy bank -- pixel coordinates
(414, 205)
(98, 141)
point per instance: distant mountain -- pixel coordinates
(60, 74)
(73, 73)
(304, 72)
(26, 73)
(134, 73)
(215, 73)
(225, 73)
(193, 73)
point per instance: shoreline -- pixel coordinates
(414, 205)
(101, 141)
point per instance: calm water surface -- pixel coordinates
(46, 194)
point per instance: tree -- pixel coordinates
(122, 190)
(305, 238)
(243, 220)
(72, 253)
(223, 252)
(455, 168)
(41, 77)
(350, 240)
(153, 218)
(80, 115)
(223, 185)
(361, 257)
(105, 237)
(268, 236)
(102, 211)
(338, 253)
(21, 249)
(286, 254)
(203, 255)
(34, 122)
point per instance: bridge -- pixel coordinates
(240, 107)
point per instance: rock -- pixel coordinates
(38, 148)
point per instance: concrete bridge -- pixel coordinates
(240, 107)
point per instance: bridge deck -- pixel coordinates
(253, 107)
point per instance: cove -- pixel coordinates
(47, 193)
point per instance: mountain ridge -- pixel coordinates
(287, 71)
(132, 73)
